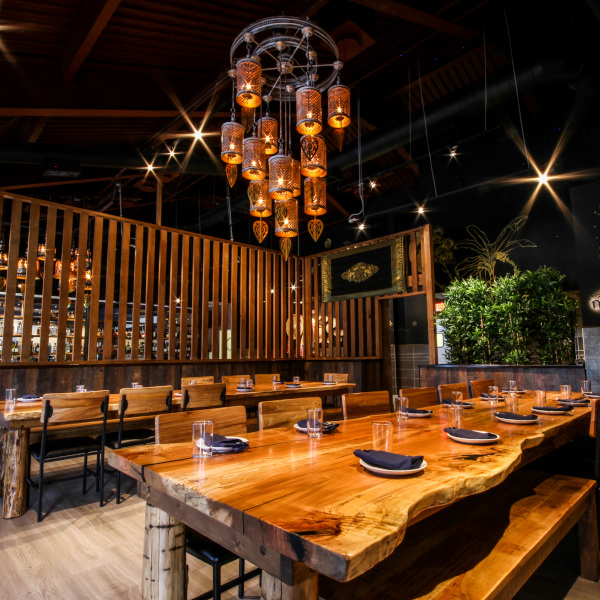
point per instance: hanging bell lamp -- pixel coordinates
(338, 106)
(286, 218)
(254, 165)
(267, 131)
(315, 196)
(261, 204)
(314, 156)
(232, 143)
(249, 82)
(281, 184)
(309, 115)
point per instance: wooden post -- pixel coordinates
(588, 542)
(387, 379)
(163, 569)
(14, 468)
(429, 285)
(305, 585)
(158, 200)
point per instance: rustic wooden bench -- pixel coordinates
(484, 546)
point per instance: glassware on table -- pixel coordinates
(10, 395)
(455, 415)
(401, 408)
(586, 386)
(314, 422)
(242, 382)
(493, 394)
(456, 397)
(329, 378)
(136, 385)
(540, 397)
(296, 380)
(512, 402)
(512, 386)
(565, 392)
(275, 381)
(382, 435)
(80, 388)
(202, 437)
(248, 383)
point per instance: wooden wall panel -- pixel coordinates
(136, 308)
(205, 297)
(216, 277)
(224, 298)
(243, 310)
(184, 296)
(160, 300)
(109, 295)
(123, 289)
(80, 290)
(173, 295)
(149, 300)
(63, 296)
(195, 299)
(95, 300)
(28, 296)
(251, 303)
(46, 307)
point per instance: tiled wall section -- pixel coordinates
(407, 359)
(591, 345)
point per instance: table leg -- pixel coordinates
(305, 585)
(14, 468)
(164, 567)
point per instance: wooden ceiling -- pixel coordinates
(103, 81)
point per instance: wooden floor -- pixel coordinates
(81, 551)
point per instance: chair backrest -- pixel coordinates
(196, 380)
(420, 397)
(480, 385)
(362, 404)
(203, 395)
(266, 377)
(177, 427)
(337, 377)
(280, 413)
(445, 390)
(74, 406)
(141, 401)
(231, 379)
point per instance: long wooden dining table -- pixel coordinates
(297, 507)
(18, 419)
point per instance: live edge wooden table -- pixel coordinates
(297, 507)
(17, 420)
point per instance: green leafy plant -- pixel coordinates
(517, 319)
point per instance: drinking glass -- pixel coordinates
(456, 397)
(401, 408)
(10, 395)
(540, 397)
(565, 392)
(80, 388)
(455, 415)
(382, 435)
(274, 381)
(296, 380)
(202, 435)
(314, 422)
(248, 383)
(512, 403)
(512, 386)
(136, 385)
(586, 386)
(242, 382)
(493, 394)
(330, 377)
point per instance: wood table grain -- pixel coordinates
(297, 507)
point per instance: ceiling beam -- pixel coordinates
(84, 33)
(413, 15)
(333, 202)
(98, 113)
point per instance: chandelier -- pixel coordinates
(286, 61)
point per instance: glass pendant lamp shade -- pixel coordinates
(254, 165)
(296, 178)
(338, 106)
(281, 185)
(286, 218)
(249, 82)
(232, 143)
(309, 114)
(261, 204)
(315, 196)
(314, 156)
(267, 131)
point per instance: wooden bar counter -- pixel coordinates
(297, 507)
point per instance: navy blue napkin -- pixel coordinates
(506, 390)
(516, 416)
(221, 441)
(30, 397)
(327, 427)
(556, 409)
(485, 396)
(389, 460)
(469, 434)
(419, 411)
(464, 404)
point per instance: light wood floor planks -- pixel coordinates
(81, 551)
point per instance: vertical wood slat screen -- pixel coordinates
(158, 293)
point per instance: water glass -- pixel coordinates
(202, 435)
(456, 397)
(512, 402)
(275, 381)
(248, 383)
(10, 395)
(136, 385)
(80, 388)
(565, 392)
(296, 380)
(586, 386)
(314, 422)
(455, 415)
(242, 382)
(512, 386)
(401, 408)
(382, 435)
(329, 377)
(540, 398)
(493, 394)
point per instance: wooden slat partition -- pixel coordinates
(211, 299)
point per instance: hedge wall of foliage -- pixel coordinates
(522, 319)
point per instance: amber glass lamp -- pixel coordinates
(261, 204)
(254, 165)
(281, 185)
(338, 106)
(314, 156)
(309, 114)
(267, 131)
(232, 143)
(315, 196)
(249, 82)
(286, 218)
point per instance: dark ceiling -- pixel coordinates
(104, 83)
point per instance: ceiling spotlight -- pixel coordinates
(453, 151)
(421, 210)
(171, 152)
(150, 168)
(543, 179)
(197, 134)
(361, 226)
(293, 286)
(372, 183)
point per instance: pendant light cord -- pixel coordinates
(356, 216)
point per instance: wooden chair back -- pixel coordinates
(203, 395)
(267, 378)
(281, 413)
(363, 404)
(177, 427)
(196, 380)
(420, 397)
(337, 377)
(480, 385)
(445, 390)
(74, 407)
(233, 379)
(141, 401)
